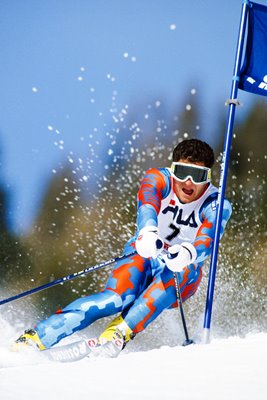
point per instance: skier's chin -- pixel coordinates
(187, 195)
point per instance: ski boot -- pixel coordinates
(29, 338)
(113, 340)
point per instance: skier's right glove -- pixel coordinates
(148, 243)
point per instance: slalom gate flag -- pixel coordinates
(253, 74)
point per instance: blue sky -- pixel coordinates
(65, 63)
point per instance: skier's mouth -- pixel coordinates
(188, 192)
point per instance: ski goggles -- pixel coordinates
(196, 173)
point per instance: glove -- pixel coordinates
(179, 256)
(149, 244)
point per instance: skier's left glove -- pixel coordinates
(179, 256)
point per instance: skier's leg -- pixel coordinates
(125, 283)
(129, 279)
(160, 295)
(122, 288)
(77, 315)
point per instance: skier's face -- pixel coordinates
(188, 191)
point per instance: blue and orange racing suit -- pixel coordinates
(138, 288)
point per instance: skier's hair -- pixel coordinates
(194, 150)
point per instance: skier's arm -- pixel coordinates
(154, 186)
(204, 239)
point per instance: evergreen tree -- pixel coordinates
(14, 262)
(58, 243)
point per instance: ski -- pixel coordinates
(70, 352)
(82, 348)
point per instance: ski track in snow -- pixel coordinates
(226, 369)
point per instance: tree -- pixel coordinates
(58, 242)
(14, 261)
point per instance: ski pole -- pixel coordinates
(66, 278)
(180, 304)
(179, 300)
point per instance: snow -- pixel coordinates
(228, 368)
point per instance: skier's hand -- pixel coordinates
(148, 243)
(179, 256)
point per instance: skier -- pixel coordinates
(175, 229)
